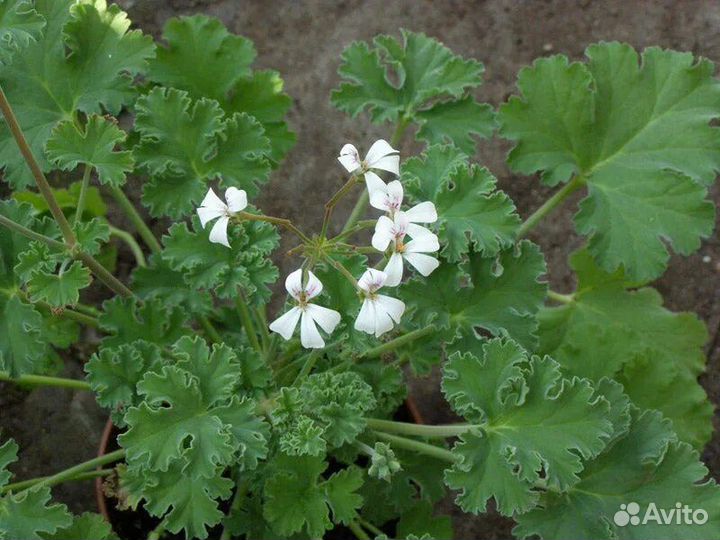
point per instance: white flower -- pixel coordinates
(380, 156)
(308, 314)
(423, 241)
(212, 207)
(379, 313)
(389, 197)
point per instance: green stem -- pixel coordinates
(420, 447)
(136, 219)
(359, 533)
(41, 380)
(370, 527)
(210, 330)
(247, 322)
(103, 275)
(80, 208)
(36, 170)
(264, 330)
(13, 226)
(307, 367)
(277, 221)
(240, 492)
(72, 472)
(419, 430)
(87, 320)
(398, 342)
(158, 532)
(549, 205)
(330, 205)
(131, 243)
(87, 310)
(340, 268)
(89, 475)
(561, 298)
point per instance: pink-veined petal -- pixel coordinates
(394, 270)
(293, 284)
(313, 287)
(365, 321)
(377, 190)
(383, 156)
(383, 233)
(394, 195)
(326, 318)
(425, 264)
(392, 306)
(208, 214)
(286, 323)
(401, 224)
(424, 212)
(309, 335)
(236, 199)
(218, 234)
(349, 158)
(372, 280)
(427, 243)
(418, 231)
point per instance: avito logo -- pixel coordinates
(680, 514)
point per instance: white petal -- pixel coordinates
(314, 286)
(427, 243)
(377, 190)
(383, 233)
(395, 194)
(309, 335)
(208, 214)
(218, 234)
(424, 212)
(328, 319)
(392, 306)
(382, 156)
(293, 284)
(365, 321)
(383, 321)
(425, 264)
(418, 231)
(286, 323)
(372, 280)
(211, 200)
(349, 158)
(394, 270)
(401, 224)
(236, 199)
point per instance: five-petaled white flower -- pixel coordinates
(212, 207)
(379, 313)
(308, 314)
(389, 198)
(381, 156)
(423, 241)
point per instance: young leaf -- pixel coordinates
(95, 147)
(529, 420)
(86, 526)
(417, 80)
(500, 296)
(128, 320)
(185, 143)
(472, 213)
(59, 289)
(96, 74)
(19, 25)
(609, 330)
(29, 514)
(647, 465)
(637, 133)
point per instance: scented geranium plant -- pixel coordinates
(234, 420)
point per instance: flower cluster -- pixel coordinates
(398, 234)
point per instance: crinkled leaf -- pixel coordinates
(500, 296)
(8, 455)
(95, 147)
(342, 497)
(22, 347)
(472, 213)
(86, 526)
(638, 133)
(645, 466)
(128, 320)
(20, 24)
(420, 521)
(530, 422)
(184, 143)
(84, 60)
(29, 514)
(301, 437)
(456, 122)
(609, 330)
(59, 289)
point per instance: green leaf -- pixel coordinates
(128, 320)
(20, 24)
(67, 199)
(500, 296)
(84, 60)
(455, 122)
(645, 466)
(610, 330)
(59, 289)
(303, 437)
(529, 420)
(296, 497)
(86, 526)
(8, 455)
(420, 521)
(94, 147)
(637, 133)
(211, 266)
(22, 347)
(472, 213)
(28, 514)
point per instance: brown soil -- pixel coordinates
(303, 40)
